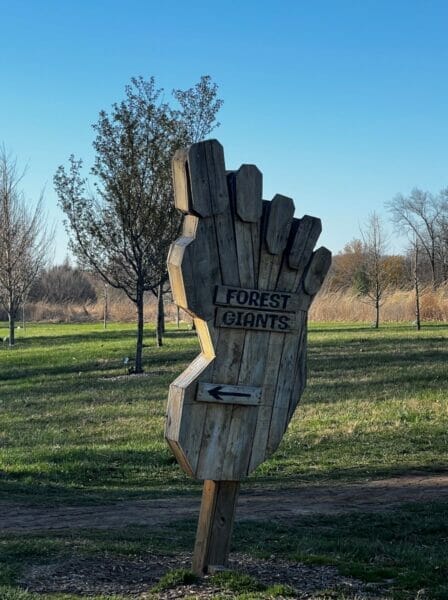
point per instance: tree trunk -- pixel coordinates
(377, 313)
(417, 290)
(11, 319)
(160, 328)
(140, 323)
(433, 273)
(177, 317)
(105, 315)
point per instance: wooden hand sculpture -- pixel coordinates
(245, 270)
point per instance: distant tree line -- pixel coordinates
(423, 218)
(63, 284)
(366, 268)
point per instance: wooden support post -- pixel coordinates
(215, 525)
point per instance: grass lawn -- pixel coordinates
(72, 431)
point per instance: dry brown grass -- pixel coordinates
(398, 305)
(120, 310)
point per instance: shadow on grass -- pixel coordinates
(96, 476)
(336, 476)
(83, 476)
(100, 335)
(43, 369)
(403, 550)
(317, 327)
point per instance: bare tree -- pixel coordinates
(375, 274)
(123, 230)
(442, 234)
(419, 216)
(416, 252)
(24, 241)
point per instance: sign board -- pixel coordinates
(246, 270)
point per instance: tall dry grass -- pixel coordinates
(397, 306)
(119, 310)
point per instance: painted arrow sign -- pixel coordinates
(229, 394)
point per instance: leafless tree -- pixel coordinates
(420, 215)
(375, 274)
(24, 241)
(416, 252)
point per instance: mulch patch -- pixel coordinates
(134, 578)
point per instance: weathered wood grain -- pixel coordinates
(317, 271)
(215, 525)
(207, 178)
(304, 234)
(307, 234)
(279, 224)
(270, 347)
(245, 194)
(182, 200)
(248, 182)
(286, 382)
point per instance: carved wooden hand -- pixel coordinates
(245, 270)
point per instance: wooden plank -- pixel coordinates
(271, 266)
(185, 417)
(300, 373)
(248, 191)
(317, 270)
(245, 187)
(307, 234)
(208, 183)
(239, 442)
(280, 300)
(215, 433)
(303, 236)
(191, 433)
(273, 356)
(194, 269)
(268, 347)
(230, 341)
(228, 394)
(283, 391)
(279, 224)
(182, 200)
(215, 525)
(246, 263)
(245, 193)
(237, 318)
(205, 523)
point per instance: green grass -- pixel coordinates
(375, 406)
(173, 579)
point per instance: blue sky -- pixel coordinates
(341, 104)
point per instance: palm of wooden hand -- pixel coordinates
(245, 270)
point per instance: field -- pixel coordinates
(76, 431)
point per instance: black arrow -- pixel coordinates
(217, 394)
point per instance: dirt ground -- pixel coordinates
(259, 505)
(134, 578)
